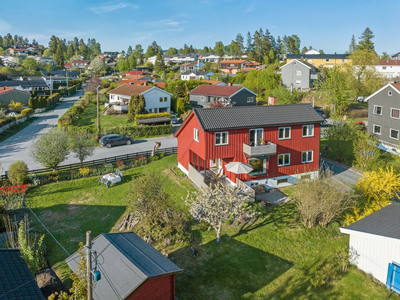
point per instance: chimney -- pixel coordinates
(229, 83)
(272, 101)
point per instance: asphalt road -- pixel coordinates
(341, 174)
(17, 147)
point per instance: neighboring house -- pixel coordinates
(16, 281)
(44, 60)
(376, 240)
(34, 83)
(206, 94)
(7, 94)
(215, 82)
(70, 74)
(18, 52)
(196, 75)
(130, 269)
(211, 138)
(157, 100)
(395, 56)
(321, 60)
(299, 74)
(384, 115)
(193, 66)
(232, 66)
(9, 61)
(81, 64)
(175, 58)
(213, 57)
(131, 73)
(389, 68)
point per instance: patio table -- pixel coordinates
(112, 178)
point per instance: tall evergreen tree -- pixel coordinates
(129, 51)
(352, 45)
(58, 57)
(365, 42)
(132, 60)
(159, 65)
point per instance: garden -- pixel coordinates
(271, 256)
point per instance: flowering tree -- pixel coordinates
(214, 206)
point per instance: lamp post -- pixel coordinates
(98, 114)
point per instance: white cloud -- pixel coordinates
(108, 8)
(4, 26)
(162, 24)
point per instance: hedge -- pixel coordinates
(140, 131)
(26, 112)
(72, 90)
(74, 111)
(7, 120)
(150, 116)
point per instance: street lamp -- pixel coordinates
(98, 114)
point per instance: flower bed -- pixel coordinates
(12, 197)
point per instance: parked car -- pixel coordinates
(320, 112)
(174, 119)
(361, 99)
(115, 140)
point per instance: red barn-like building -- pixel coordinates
(280, 142)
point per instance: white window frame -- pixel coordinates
(302, 130)
(298, 81)
(390, 93)
(284, 130)
(284, 154)
(250, 99)
(227, 138)
(308, 160)
(298, 72)
(196, 134)
(373, 129)
(398, 133)
(375, 107)
(391, 110)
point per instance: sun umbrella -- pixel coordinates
(238, 167)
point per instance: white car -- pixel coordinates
(174, 119)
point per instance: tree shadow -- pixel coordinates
(229, 270)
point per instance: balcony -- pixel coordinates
(260, 150)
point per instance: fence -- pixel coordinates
(147, 154)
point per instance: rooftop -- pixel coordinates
(318, 56)
(384, 222)
(215, 90)
(237, 61)
(389, 63)
(130, 89)
(224, 118)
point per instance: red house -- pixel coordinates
(280, 143)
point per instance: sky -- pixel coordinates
(326, 25)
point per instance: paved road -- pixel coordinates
(341, 174)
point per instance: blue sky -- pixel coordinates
(326, 25)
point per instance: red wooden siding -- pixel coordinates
(162, 288)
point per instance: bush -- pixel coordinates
(18, 172)
(27, 112)
(7, 120)
(15, 106)
(154, 115)
(3, 214)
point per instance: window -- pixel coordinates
(196, 134)
(377, 110)
(308, 130)
(377, 129)
(165, 99)
(310, 60)
(298, 81)
(307, 156)
(343, 60)
(150, 110)
(298, 72)
(383, 68)
(250, 99)
(284, 133)
(282, 180)
(327, 59)
(161, 99)
(259, 166)
(232, 65)
(390, 93)
(221, 138)
(394, 134)
(395, 113)
(283, 159)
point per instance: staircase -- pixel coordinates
(106, 109)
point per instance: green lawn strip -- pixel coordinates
(15, 129)
(269, 258)
(89, 118)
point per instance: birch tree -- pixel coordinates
(215, 206)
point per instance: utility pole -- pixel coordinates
(89, 264)
(98, 114)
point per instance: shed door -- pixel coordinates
(393, 277)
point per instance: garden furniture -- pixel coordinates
(112, 178)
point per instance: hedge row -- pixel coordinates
(73, 112)
(7, 120)
(26, 112)
(43, 101)
(140, 131)
(150, 116)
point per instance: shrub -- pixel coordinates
(149, 116)
(7, 120)
(326, 274)
(3, 214)
(18, 172)
(15, 106)
(27, 112)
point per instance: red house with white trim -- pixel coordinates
(280, 142)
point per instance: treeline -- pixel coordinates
(8, 40)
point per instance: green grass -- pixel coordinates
(89, 118)
(15, 129)
(268, 258)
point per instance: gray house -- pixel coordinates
(299, 74)
(205, 94)
(384, 115)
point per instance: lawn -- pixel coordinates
(15, 129)
(89, 118)
(269, 258)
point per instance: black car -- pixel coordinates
(320, 112)
(115, 140)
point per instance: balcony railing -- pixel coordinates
(260, 150)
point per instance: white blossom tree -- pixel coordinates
(215, 206)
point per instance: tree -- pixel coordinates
(171, 51)
(122, 64)
(333, 83)
(47, 53)
(51, 148)
(384, 56)
(365, 42)
(59, 58)
(132, 61)
(132, 106)
(98, 65)
(138, 52)
(352, 45)
(150, 52)
(18, 172)
(219, 49)
(215, 206)
(82, 145)
(1, 50)
(341, 134)
(365, 149)
(30, 63)
(304, 50)
(129, 51)
(159, 65)
(48, 66)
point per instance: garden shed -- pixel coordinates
(376, 239)
(130, 269)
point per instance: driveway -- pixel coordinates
(341, 173)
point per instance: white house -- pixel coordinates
(157, 100)
(196, 75)
(376, 240)
(389, 68)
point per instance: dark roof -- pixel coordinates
(16, 281)
(225, 118)
(311, 66)
(125, 262)
(215, 90)
(317, 56)
(154, 120)
(384, 222)
(59, 72)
